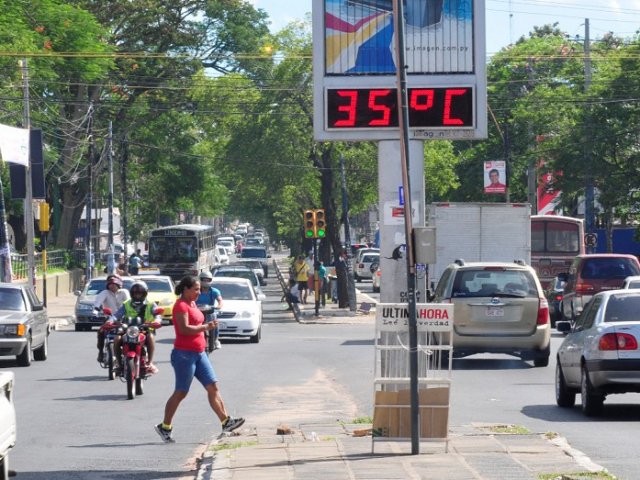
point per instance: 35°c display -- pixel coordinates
(371, 108)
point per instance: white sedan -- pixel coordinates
(364, 266)
(241, 314)
(601, 353)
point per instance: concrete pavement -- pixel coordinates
(334, 451)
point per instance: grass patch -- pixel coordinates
(232, 445)
(602, 475)
(364, 420)
(510, 429)
(551, 435)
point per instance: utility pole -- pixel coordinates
(589, 194)
(28, 200)
(403, 123)
(89, 250)
(531, 168)
(111, 262)
(123, 187)
(351, 284)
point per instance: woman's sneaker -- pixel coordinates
(165, 434)
(230, 424)
(217, 345)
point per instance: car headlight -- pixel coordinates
(18, 329)
(85, 308)
(246, 314)
(165, 302)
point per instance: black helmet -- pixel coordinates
(138, 291)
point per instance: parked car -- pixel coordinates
(553, 293)
(240, 271)
(600, 354)
(7, 421)
(161, 291)
(241, 315)
(593, 273)
(376, 280)
(24, 324)
(86, 297)
(363, 267)
(258, 253)
(632, 281)
(498, 308)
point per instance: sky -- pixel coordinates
(508, 20)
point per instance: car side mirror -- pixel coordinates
(77, 293)
(38, 307)
(563, 326)
(262, 297)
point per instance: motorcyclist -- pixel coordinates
(210, 296)
(112, 297)
(138, 306)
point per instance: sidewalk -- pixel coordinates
(333, 452)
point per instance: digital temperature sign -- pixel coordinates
(374, 108)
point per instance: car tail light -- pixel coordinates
(543, 312)
(558, 298)
(584, 288)
(361, 265)
(618, 341)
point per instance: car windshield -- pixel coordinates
(370, 258)
(254, 252)
(494, 282)
(248, 274)
(11, 299)
(234, 291)
(158, 286)
(604, 268)
(623, 308)
(97, 285)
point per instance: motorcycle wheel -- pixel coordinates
(130, 375)
(139, 386)
(111, 373)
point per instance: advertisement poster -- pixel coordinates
(495, 175)
(359, 36)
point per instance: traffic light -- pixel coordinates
(309, 224)
(321, 223)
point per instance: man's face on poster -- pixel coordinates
(494, 177)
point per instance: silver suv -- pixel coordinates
(498, 308)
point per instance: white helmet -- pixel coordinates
(205, 274)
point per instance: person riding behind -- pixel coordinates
(112, 297)
(138, 307)
(210, 296)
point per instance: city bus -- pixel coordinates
(179, 250)
(555, 241)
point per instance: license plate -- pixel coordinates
(495, 312)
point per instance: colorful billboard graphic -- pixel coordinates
(495, 176)
(359, 37)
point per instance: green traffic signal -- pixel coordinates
(309, 223)
(321, 224)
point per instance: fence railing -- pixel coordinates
(58, 259)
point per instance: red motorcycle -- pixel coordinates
(134, 353)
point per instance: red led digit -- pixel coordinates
(448, 98)
(386, 111)
(350, 121)
(421, 99)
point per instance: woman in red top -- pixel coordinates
(189, 359)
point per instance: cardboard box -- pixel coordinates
(392, 413)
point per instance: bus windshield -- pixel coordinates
(557, 237)
(172, 249)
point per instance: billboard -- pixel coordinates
(355, 83)
(358, 35)
(495, 176)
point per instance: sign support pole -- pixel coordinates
(403, 120)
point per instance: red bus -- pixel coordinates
(555, 241)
